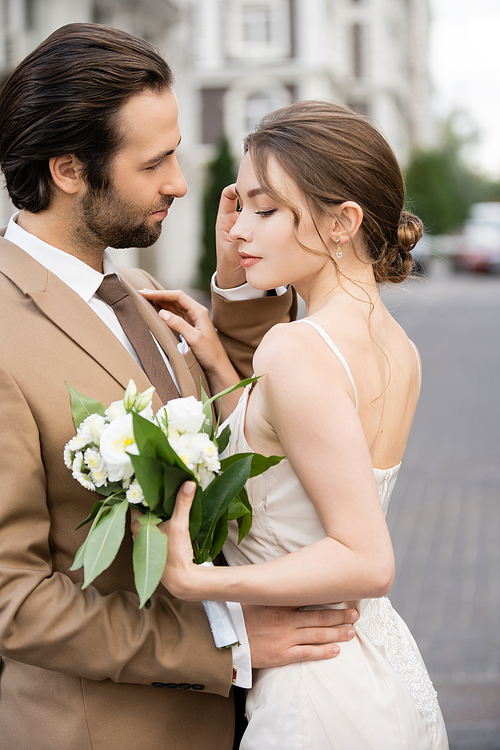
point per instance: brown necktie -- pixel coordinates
(139, 335)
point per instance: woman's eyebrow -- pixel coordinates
(253, 192)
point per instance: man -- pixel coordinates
(88, 141)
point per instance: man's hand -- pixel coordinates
(229, 272)
(281, 635)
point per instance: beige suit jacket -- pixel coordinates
(87, 669)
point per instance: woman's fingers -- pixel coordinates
(135, 525)
(176, 301)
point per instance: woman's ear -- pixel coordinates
(66, 172)
(348, 219)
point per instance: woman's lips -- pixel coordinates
(248, 260)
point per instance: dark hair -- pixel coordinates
(64, 98)
(334, 155)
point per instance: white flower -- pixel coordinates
(93, 426)
(210, 456)
(80, 441)
(204, 476)
(130, 394)
(189, 448)
(143, 401)
(115, 410)
(95, 463)
(134, 493)
(185, 414)
(117, 441)
(68, 457)
(78, 474)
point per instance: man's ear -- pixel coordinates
(345, 225)
(66, 172)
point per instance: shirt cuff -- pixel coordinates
(241, 654)
(243, 292)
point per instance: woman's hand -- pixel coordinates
(230, 274)
(181, 574)
(192, 320)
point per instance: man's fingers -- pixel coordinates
(321, 618)
(311, 653)
(313, 636)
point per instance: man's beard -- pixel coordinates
(114, 222)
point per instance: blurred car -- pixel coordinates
(478, 248)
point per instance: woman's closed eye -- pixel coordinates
(266, 213)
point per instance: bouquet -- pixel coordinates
(131, 457)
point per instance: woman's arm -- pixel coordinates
(308, 402)
(192, 320)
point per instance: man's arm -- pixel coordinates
(46, 620)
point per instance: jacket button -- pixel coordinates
(185, 686)
(171, 685)
(198, 687)
(157, 684)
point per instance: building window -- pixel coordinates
(362, 106)
(258, 29)
(30, 14)
(212, 114)
(257, 105)
(357, 50)
(257, 24)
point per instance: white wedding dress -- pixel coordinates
(376, 695)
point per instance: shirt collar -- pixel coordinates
(80, 277)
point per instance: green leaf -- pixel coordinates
(241, 511)
(172, 480)
(241, 384)
(78, 561)
(149, 557)
(79, 557)
(196, 513)
(220, 535)
(103, 541)
(83, 406)
(207, 411)
(93, 513)
(260, 463)
(223, 439)
(218, 497)
(152, 441)
(149, 474)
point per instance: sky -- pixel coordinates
(465, 70)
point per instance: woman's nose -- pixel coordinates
(240, 231)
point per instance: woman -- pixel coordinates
(320, 199)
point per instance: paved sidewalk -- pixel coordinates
(445, 512)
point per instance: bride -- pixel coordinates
(319, 204)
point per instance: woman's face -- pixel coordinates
(269, 251)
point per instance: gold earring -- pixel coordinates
(339, 252)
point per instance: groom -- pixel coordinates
(88, 143)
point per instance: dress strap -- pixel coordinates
(418, 365)
(326, 338)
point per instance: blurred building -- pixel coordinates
(235, 60)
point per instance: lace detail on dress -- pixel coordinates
(380, 624)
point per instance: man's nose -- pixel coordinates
(175, 184)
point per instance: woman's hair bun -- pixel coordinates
(410, 231)
(394, 261)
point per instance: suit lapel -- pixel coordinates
(166, 338)
(71, 315)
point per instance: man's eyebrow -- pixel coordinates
(161, 156)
